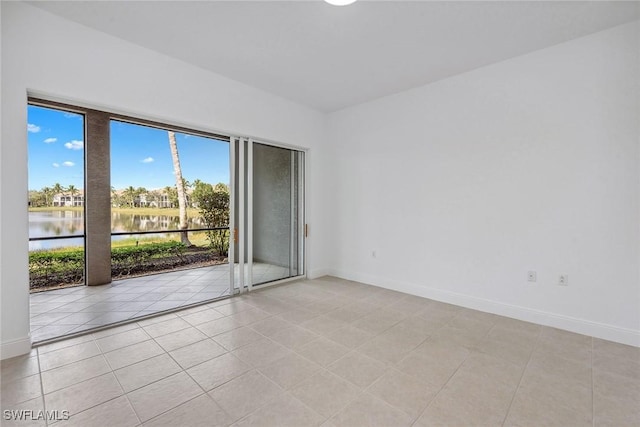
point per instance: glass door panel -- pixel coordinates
(275, 215)
(267, 214)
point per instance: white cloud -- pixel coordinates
(50, 140)
(56, 165)
(147, 160)
(71, 115)
(33, 128)
(74, 145)
(68, 164)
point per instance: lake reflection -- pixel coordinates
(129, 222)
(64, 223)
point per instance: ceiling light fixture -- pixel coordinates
(340, 2)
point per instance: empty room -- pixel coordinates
(320, 213)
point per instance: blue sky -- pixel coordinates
(140, 155)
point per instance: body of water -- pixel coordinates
(66, 223)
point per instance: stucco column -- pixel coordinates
(97, 199)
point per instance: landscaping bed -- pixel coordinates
(50, 269)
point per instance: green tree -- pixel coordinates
(172, 196)
(213, 203)
(152, 197)
(115, 198)
(37, 199)
(130, 195)
(47, 192)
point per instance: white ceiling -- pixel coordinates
(331, 57)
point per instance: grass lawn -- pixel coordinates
(196, 238)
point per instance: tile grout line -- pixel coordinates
(506, 415)
(349, 402)
(88, 379)
(125, 393)
(367, 390)
(257, 369)
(204, 392)
(44, 403)
(394, 366)
(75, 361)
(325, 368)
(445, 383)
(471, 351)
(283, 391)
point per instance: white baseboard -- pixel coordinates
(318, 272)
(572, 324)
(9, 349)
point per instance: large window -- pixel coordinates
(163, 181)
(56, 197)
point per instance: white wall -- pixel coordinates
(464, 185)
(46, 55)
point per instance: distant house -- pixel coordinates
(146, 200)
(164, 201)
(157, 198)
(67, 200)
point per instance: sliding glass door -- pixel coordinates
(276, 214)
(268, 213)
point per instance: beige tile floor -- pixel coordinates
(71, 310)
(332, 353)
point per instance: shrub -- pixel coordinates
(59, 266)
(54, 267)
(213, 202)
(124, 260)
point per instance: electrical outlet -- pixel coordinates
(373, 254)
(532, 276)
(563, 280)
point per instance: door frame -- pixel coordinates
(241, 231)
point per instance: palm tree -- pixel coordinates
(180, 186)
(72, 191)
(58, 189)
